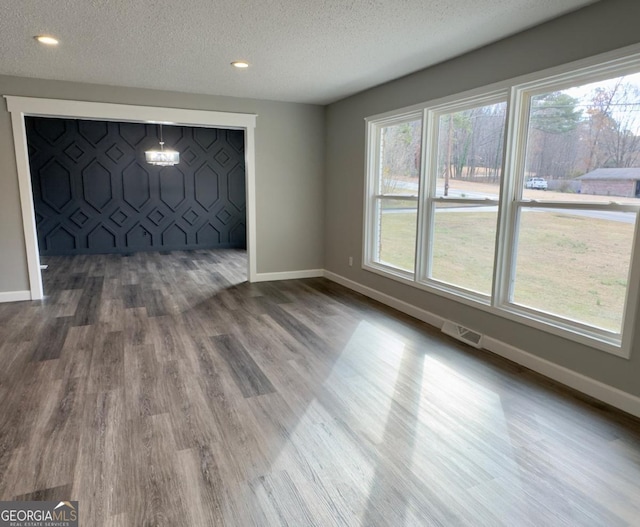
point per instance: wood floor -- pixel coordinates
(164, 390)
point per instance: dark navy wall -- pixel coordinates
(94, 193)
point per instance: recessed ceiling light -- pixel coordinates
(45, 39)
(240, 64)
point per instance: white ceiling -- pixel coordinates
(313, 51)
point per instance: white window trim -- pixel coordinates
(619, 344)
(373, 195)
(428, 191)
(517, 93)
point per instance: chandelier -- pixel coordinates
(162, 157)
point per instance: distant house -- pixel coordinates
(623, 182)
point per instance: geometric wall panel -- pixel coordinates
(132, 133)
(94, 192)
(139, 237)
(174, 236)
(96, 185)
(236, 141)
(206, 186)
(171, 134)
(51, 132)
(32, 150)
(135, 185)
(156, 216)
(55, 184)
(119, 217)
(101, 238)
(79, 218)
(236, 187)
(224, 216)
(188, 156)
(190, 216)
(114, 153)
(222, 157)
(93, 131)
(207, 235)
(238, 234)
(74, 152)
(60, 237)
(205, 137)
(172, 187)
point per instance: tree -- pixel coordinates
(553, 135)
(613, 117)
(555, 113)
(399, 153)
(470, 139)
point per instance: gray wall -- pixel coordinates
(598, 28)
(289, 172)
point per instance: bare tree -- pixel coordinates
(614, 117)
(399, 154)
(471, 139)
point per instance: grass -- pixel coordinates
(398, 239)
(573, 266)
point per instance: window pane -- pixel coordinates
(575, 264)
(400, 158)
(463, 246)
(470, 145)
(583, 143)
(397, 233)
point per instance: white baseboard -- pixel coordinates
(400, 305)
(288, 275)
(596, 389)
(15, 296)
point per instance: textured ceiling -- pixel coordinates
(313, 51)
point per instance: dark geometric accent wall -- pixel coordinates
(94, 193)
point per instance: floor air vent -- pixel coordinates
(463, 334)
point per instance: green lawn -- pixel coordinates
(569, 265)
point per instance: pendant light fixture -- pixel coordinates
(162, 157)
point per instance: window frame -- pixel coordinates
(516, 151)
(373, 196)
(517, 93)
(428, 186)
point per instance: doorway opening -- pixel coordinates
(22, 107)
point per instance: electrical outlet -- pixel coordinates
(350, 261)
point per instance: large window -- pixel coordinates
(523, 201)
(394, 203)
(464, 171)
(576, 204)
